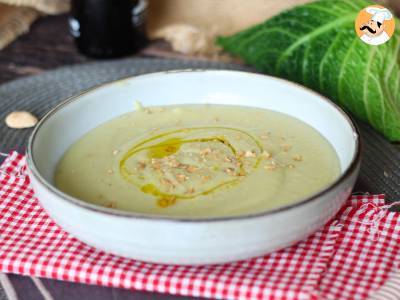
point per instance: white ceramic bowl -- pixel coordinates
(178, 240)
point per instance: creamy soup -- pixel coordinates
(198, 161)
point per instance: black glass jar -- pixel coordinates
(108, 28)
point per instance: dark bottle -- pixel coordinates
(108, 28)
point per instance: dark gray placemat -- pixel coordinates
(380, 172)
(381, 161)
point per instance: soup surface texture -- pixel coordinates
(198, 161)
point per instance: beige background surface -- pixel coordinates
(189, 25)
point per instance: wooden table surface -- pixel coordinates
(47, 46)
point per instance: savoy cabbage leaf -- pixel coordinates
(316, 45)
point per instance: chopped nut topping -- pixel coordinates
(240, 154)
(109, 171)
(167, 182)
(265, 154)
(181, 178)
(190, 191)
(251, 153)
(230, 171)
(298, 157)
(115, 152)
(286, 147)
(174, 164)
(290, 166)
(141, 165)
(241, 173)
(111, 204)
(205, 177)
(191, 169)
(270, 167)
(228, 159)
(156, 164)
(205, 151)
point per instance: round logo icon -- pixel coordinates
(375, 25)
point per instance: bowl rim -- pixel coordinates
(352, 167)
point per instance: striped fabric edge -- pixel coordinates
(390, 290)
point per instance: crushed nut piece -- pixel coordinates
(174, 164)
(265, 154)
(290, 166)
(205, 151)
(228, 159)
(191, 169)
(181, 178)
(298, 157)
(111, 204)
(241, 173)
(166, 181)
(286, 147)
(230, 171)
(141, 165)
(205, 177)
(240, 154)
(270, 167)
(251, 153)
(190, 191)
(115, 152)
(110, 172)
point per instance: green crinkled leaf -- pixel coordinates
(316, 45)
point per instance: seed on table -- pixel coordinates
(20, 120)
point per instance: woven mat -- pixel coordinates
(380, 172)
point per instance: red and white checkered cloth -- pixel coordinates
(349, 258)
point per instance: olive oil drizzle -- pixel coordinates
(171, 146)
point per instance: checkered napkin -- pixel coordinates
(349, 258)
